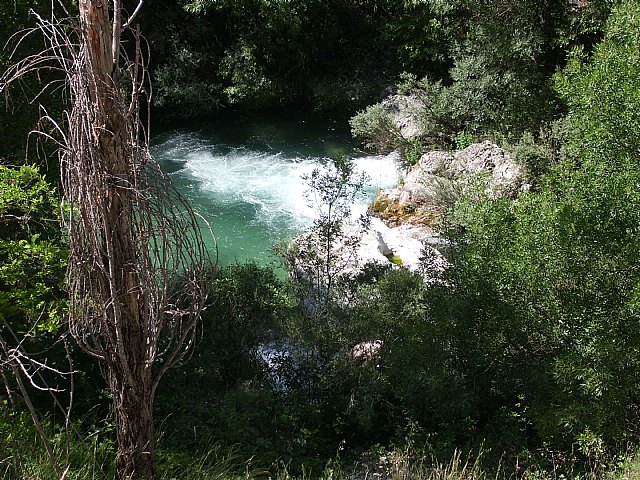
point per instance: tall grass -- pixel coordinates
(628, 470)
(395, 465)
(92, 458)
(89, 458)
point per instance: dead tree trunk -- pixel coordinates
(137, 262)
(128, 366)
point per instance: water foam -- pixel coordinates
(263, 190)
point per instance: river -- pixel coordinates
(245, 179)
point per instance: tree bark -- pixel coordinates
(135, 458)
(128, 365)
(138, 264)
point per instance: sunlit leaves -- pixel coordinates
(550, 281)
(603, 93)
(32, 253)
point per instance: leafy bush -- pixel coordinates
(247, 78)
(546, 286)
(530, 341)
(319, 262)
(32, 252)
(181, 96)
(248, 304)
(537, 156)
(376, 128)
(602, 94)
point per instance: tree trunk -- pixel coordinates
(128, 365)
(137, 264)
(135, 458)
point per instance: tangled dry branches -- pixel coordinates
(133, 237)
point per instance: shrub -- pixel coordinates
(537, 157)
(376, 128)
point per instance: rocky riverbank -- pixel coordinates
(404, 232)
(440, 178)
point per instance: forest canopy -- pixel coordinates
(525, 354)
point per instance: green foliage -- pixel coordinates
(546, 286)
(420, 33)
(248, 304)
(15, 427)
(556, 282)
(482, 98)
(376, 128)
(247, 79)
(538, 156)
(32, 252)
(495, 57)
(33, 259)
(23, 457)
(411, 150)
(254, 54)
(213, 464)
(629, 469)
(182, 95)
(542, 301)
(603, 95)
(319, 261)
(490, 64)
(462, 140)
(228, 393)
(530, 343)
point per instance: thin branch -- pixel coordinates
(115, 35)
(133, 15)
(34, 415)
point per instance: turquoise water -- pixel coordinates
(245, 179)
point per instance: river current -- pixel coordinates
(246, 179)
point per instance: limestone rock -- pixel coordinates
(366, 351)
(439, 177)
(379, 244)
(505, 177)
(404, 230)
(404, 109)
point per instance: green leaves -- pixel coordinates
(603, 93)
(32, 252)
(547, 284)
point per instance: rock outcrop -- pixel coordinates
(402, 233)
(404, 111)
(404, 245)
(403, 230)
(440, 177)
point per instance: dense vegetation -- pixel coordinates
(526, 355)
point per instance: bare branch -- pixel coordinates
(116, 31)
(13, 366)
(133, 15)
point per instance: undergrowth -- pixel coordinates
(92, 458)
